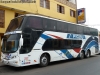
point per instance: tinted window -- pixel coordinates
(34, 22)
(93, 32)
(86, 31)
(72, 28)
(49, 24)
(14, 24)
(76, 43)
(60, 26)
(58, 44)
(10, 43)
(65, 27)
(96, 32)
(80, 29)
(48, 45)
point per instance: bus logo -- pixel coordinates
(76, 36)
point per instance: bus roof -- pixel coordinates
(55, 19)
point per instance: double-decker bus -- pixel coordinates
(33, 39)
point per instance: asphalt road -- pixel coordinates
(89, 66)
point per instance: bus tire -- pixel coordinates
(88, 54)
(44, 60)
(82, 55)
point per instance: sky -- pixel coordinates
(92, 12)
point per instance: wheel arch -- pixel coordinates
(89, 51)
(47, 55)
(83, 51)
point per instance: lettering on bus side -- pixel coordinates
(75, 36)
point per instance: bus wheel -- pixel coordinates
(88, 54)
(82, 55)
(44, 60)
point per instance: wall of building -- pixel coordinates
(36, 9)
(8, 16)
(53, 12)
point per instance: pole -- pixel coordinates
(76, 12)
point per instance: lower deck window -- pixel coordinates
(58, 44)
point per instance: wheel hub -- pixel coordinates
(44, 60)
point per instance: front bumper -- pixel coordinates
(13, 63)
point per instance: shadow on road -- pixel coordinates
(69, 60)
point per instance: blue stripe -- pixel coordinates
(67, 53)
(45, 36)
(93, 43)
(59, 54)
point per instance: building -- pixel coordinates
(60, 9)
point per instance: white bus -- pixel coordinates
(33, 39)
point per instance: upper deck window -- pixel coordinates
(34, 22)
(14, 24)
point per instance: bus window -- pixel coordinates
(35, 22)
(93, 32)
(61, 26)
(49, 24)
(14, 24)
(86, 31)
(56, 43)
(48, 45)
(80, 29)
(76, 43)
(71, 28)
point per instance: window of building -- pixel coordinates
(2, 18)
(72, 13)
(45, 4)
(60, 9)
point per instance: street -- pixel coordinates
(89, 66)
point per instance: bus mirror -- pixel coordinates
(21, 41)
(1, 42)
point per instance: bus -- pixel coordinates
(34, 39)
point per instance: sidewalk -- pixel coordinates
(1, 64)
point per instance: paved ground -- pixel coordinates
(90, 66)
(1, 64)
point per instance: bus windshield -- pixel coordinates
(14, 24)
(10, 43)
